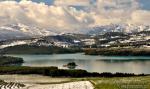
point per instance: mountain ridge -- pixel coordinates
(21, 31)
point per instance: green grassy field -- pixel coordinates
(120, 82)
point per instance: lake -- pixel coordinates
(124, 64)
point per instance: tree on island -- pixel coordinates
(71, 65)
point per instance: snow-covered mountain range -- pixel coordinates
(21, 31)
(126, 28)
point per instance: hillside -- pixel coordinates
(33, 49)
(7, 60)
(119, 52)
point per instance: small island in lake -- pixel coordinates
(71, 65)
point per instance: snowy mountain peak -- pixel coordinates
(19, 30)
(126, 28)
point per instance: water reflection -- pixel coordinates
(14, 64)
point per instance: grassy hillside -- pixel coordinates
(31, 49)
(7, 60)
(120, 82)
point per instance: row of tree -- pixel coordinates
(55, 72)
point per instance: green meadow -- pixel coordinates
(120, 82)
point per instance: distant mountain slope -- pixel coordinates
(18, 31)
(126, 28)
(21, 31)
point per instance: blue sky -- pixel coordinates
(45, 1)
(145, 4)
(48, 2)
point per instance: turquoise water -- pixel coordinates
(125, 64)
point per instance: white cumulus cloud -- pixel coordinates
(72, 2)
(44, 16)
(63, 17)
(140, 17)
